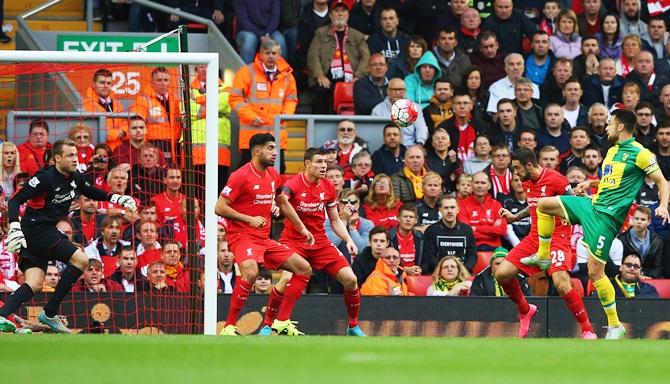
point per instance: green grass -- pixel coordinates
(319, 360)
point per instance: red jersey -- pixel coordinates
(167, 208)
(251, 192)
(407, 249)
(550, 183)
(310, 201)
(484, 219)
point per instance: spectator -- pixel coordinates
(51, 278)
(591, 162)
(388, 40)
(179, 226)
(579, 140)
(262, 90)
(528, 110)
(566, 42)
(598, 116)
(500, 171)
(428, 210)
(31, 153)
(177, 275)
(87, 223)
(346, 145)
(516, 202)
(335, 174)
(93, 280)
(405, 64)
(98, 169)
(146, 177)
(361, 165)
(452, 62)
(407, 240)
(420, 83)
(388, 279)
(128, 152)
(470, 30)
(169, 203)
(126, 274)
(226, 268)
(589, 21)
(648, 246)
(555, 130)
(117, 179)
(548, 157)
(649, 197)
(506, 130)
(527, 139)
(450, 278)
(509, 25)
(484, 284)
(504, 88)
(371, 90)
(439, 106)
(540, 60)
(645, 130)
(443, 160)
(156, 279)
(417, 133)
(263, 283)
(480, 211)
(610, 37)
(552, 89)
(463, 187)
(629, 283)
(313, 16)
(448, 237)
(650, 81)
(462, 129)
(489, 58)
(586, 64)
(148, 249)
(159, 106)
(389, 157)
(662, 111)
(630, 96)
(358, 227)
(147, 213)
(656, 38)
(631, 23)
(381, 206)
(107, 247)
(407, 182)
(451, 17)
(366, 261)
(605, 87)
(337, 53)
(212, 10)
(100, 98)
(482, 157)
(576, 175)
(472, 83)
(257, 21)
(549, 19)
(632, 45)
(575, 113)
(11, 167)
(289, 15)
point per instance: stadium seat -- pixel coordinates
(578, 286)
(662, 286)
(343, 98)
(483, 261)
(419, 284)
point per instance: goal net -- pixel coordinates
(147, 270)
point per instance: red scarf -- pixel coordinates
(469, 33)
(501, 184)
(340, 67)
(625, 66)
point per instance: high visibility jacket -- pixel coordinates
(160, 124)
(115, 126)
(254, 95)
(198, 124)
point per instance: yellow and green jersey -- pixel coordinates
(623, 172)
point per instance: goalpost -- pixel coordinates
(211, 171)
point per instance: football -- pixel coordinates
(404, 113)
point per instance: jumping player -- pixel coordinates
(539, 182)
(311, 195)
(623, 172)
(248, 201)
(49, 194)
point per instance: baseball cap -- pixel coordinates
(338, 3)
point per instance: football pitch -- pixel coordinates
(327, 359)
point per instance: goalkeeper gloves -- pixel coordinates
(15, 239)
(125, 201)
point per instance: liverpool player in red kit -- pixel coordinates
(248, 201)
(311, 195)
(541, 182)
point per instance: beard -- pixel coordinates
(347, 140)
(634, 17)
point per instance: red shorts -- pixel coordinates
(560, 254)
(323, 255)
(269, 253)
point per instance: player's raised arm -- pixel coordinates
(290, 213)
(341, 230)
(224, 209)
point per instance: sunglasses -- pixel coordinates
(631, 265)
(346, 129)
(351, 201)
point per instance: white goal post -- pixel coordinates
(211, 167)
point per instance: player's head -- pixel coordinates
(621, 122)
(171, 252)
(65, 155)
(523, 161)
(315, 163)
(263, 148)
(102, 83)
(449, 209)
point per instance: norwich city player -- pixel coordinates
(623, 171)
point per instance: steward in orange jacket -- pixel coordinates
(100, 98)
(383, 282)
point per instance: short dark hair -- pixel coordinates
(592, 147)
(38, 123)
(589, 37)
(644, 104)
(505, 101)
(387, 126)
(137, 117)
(579, 128)
(442, 79)
(409, 207)
(336, 167)
(485, 35)
(311, 152)
(538, 33)
(264, 273)
(447, 30)
(525, 156)
(58, 146)
(109, 220)
(378, 229)
(528, 130)
(625, 117)
(260, 139)
(159, 70)
(167, 242)
(102, 72)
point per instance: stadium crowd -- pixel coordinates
(489, 77)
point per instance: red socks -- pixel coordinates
(576, 307)
(237, 300)
(513, 289)
(294, 289)
(352, 300)
(271, 310)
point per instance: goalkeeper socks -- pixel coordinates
(576, 307)
(352, 300)
(274, 302)
(545, 229)
(294, 289)
(605, 291)
(70, 276)
(237, 300)
(14, 301)
(512, 289)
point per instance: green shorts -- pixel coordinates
(599, 228)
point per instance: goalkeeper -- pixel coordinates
(49, 194)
